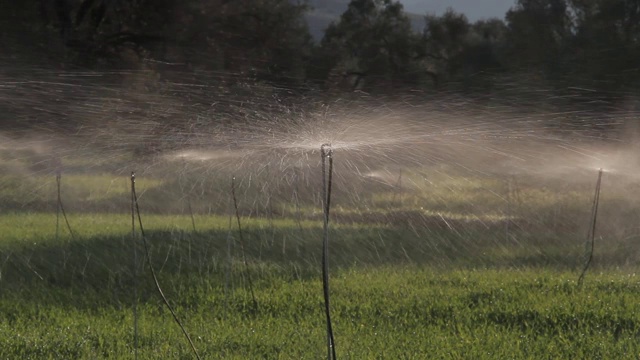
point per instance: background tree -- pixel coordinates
(106, 30)
(556, 45)
(443, 42)
(267, 39)
(606, 43)
(454, 51)
(374, 41)
(484, 54)
(538, 35)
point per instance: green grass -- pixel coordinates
(395, 294)
(426, 271)
(389, 312)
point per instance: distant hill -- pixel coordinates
(326, 11)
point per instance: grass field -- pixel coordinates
(72, 297)
(390, 312)
(447, 267)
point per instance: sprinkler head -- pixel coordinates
(326, 150)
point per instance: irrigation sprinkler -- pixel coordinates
(60, 206)
(227, 275)
(326, 152)
(270, 218)
(135, 265)
(60, 209)
(58, 175)
(507, 223)
(513, 201)
(188, 198)
(136, 207)
(296, 200)
(296, 197)
(241, 241)
(592, 228)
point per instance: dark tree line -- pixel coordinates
(553, 44)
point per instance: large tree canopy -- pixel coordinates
(372, 39)
(581, 42)
(593, 44)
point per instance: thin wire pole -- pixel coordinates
(66, 220)
(327, 172)
(193, 220)
(153, 272)
(296, 198)
(58, 175)
(60, 207)
(188, 196)
(227, 275)
(592, 229)
(241, 241)
(58, 167)
(135, 266)
(507, 223)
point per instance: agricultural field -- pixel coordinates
(206, 180)
(450, 270)
(424, 263)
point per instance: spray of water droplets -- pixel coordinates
(443, 168)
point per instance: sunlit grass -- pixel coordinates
(40, 226)
(75, 187)
(431, 268)
(398, 312)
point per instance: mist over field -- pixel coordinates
(204, 179)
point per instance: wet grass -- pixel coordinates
(399, 312)
(396, 293)
(428, 269)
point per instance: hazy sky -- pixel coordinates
(474, 9)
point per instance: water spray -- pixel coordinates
(241, 240)
(592, 228)
(326, 152)
(397, 188)
(153, 272)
